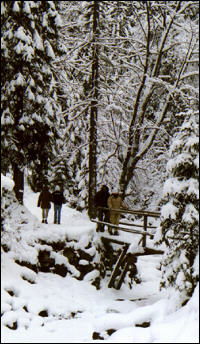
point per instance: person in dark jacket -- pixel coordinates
(100, 200)
(58, 199)
(44, 201)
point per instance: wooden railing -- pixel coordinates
(145, 214)
(126, 260)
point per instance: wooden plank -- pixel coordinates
(150, 251)
(116, 269)
(121, 279)
(136, 225)
(134, 231)
(114, 241)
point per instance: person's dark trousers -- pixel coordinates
(57, 213)
(100, 226)
(106, 214)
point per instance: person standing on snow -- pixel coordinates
(44, 201)
(58, 199)
(115, 202)
(100, 200)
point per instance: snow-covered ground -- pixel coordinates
(75, 308)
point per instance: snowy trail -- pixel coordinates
(71, 221)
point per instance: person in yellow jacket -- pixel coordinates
(115, 202)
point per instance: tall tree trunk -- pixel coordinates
(93, 116)
(18, 178)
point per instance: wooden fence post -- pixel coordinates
(145, 229)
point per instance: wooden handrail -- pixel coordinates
(135, 212)
(143, 213)
(135, 225)
(122, 228)
(146, 251)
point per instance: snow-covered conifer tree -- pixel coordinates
(30, 46)
(180, 209)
